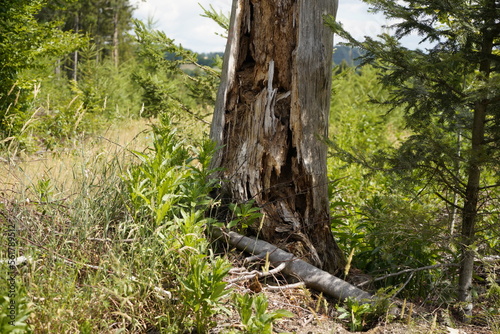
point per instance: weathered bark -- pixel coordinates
(472, 193)
(115, 35)
(470, 213)
(270, 116)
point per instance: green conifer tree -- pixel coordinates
(24, 42)
(451, 94)
(106, 22)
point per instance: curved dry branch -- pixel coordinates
(312, 277)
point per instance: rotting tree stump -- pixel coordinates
(270, 119)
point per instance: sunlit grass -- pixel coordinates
(67, 166)
(66, 205)
(100, 261)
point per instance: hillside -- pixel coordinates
(341, 54)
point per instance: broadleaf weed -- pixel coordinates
(254, 316)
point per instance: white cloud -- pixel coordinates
(181, 21)
(354, 16)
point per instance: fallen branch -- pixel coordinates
(312, 277)
(255, 273)
(284, 287)
(495, 259)
(410, 270)
(256, 257)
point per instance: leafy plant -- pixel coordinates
(355, 312)
(168, 198)
(254, 315)
(245, 214)
(203, 288)
(153, 185)
(44, 189)
(14, 313)
(349, 230)
(360, 314)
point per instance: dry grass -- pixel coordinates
(66, 167)
(58, 202)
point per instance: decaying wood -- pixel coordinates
(255, 273)
(271, 116)
(312, 277)
(284, 287)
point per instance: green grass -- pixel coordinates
(64, 206)
(120, 247)
(73, 223)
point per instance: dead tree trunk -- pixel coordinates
(115, 54)
(270, 117)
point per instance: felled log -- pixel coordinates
(312, 276)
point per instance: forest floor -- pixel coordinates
(313, 313)
(316, 314)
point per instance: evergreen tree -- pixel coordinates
(23, 44)
(106, 22)
(451, 94)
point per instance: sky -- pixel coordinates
(181, 20)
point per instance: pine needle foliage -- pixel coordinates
(163, 79)
(450, 93)
(218, 17)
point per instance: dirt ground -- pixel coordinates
(315, 314)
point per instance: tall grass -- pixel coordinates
(67, 208)
(121, 247)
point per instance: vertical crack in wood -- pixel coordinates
(276, 99)
(269, 118)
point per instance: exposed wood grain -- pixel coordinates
(270, 117)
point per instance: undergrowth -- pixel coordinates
(122, 247)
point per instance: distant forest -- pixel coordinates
(341, 54)
(346, 54)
